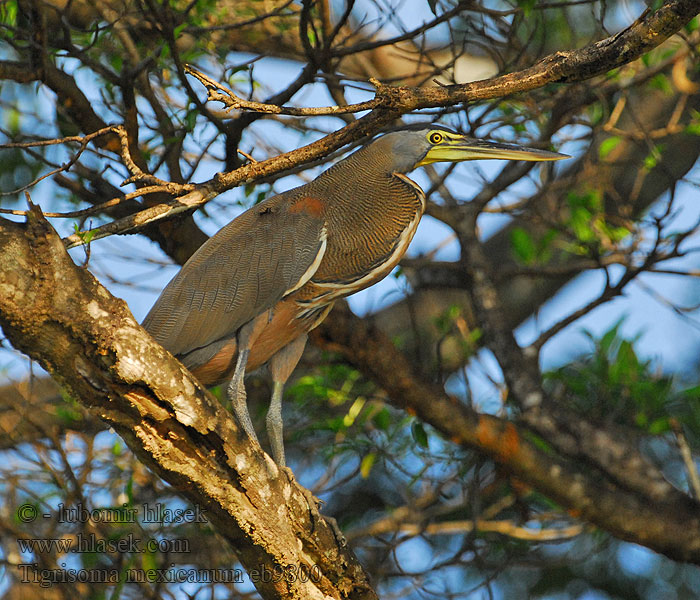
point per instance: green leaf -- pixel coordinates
(8, 12)
(89, 560)
(367, 463)
(661, 82)
(523, 246)
(659, 426)
(445, 321)
(652, 159)
(595, 113)
(693, 128)
(13, 120)
(117, 62)
(580, 223)
(190, 120)
(527, 6)
(608, 145)
(354, 411)
(692, 392)
(419, 434)
(312, 37)
(129, 490)
(609, 337)
(591, 200)
(148, 561)
(382, 419)
(85, 236)
(68, 414)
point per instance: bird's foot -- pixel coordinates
(313, 502)
(337, 533)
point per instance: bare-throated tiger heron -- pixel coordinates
(252, 292)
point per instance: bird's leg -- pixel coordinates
(281, 366)
(275, 425)
(236, 388)
(237, 395)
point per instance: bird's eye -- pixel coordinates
(435, 137)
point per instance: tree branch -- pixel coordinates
(59, 315)
(670, 525)
(577, 65)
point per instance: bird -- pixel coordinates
(250, 294)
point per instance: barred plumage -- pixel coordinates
(254, 290)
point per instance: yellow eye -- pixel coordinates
(435, 137)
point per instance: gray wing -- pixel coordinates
(243, 270)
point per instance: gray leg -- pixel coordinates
(281, 366)
(236, 388)
(274, 424)
(237, 395)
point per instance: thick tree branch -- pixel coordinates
(670, 525)
(59, 315)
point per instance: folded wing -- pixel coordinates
(240, 272)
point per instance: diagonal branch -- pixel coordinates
(59, 315)
(670, 525)
(218, 93)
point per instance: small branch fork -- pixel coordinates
(218, 93)
(153, 184)
(84, 141)
(137, 175)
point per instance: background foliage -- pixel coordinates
(573, 247)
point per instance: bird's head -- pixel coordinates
(415, 146)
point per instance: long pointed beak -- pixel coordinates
(471, 149)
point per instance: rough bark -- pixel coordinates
(58, 314)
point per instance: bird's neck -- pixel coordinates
(369, 177)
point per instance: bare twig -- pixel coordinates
(194, 198)
(687, 456)
(92, 210)
(248, 156)
(218, 93)
(84, 141)
(504, 527)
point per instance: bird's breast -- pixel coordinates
(367, 237)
